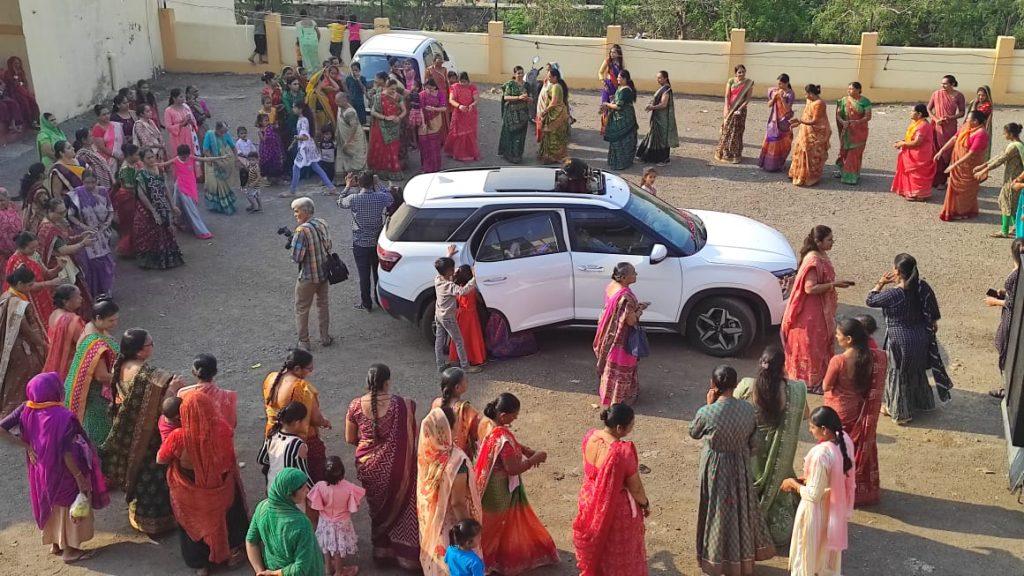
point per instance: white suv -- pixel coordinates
(543, 257)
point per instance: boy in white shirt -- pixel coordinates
(249, 169)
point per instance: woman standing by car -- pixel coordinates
(616, 365)
(809, 324)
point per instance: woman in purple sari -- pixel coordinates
(382, 427)
(609, 75)
(61, 464)
(616, 366)
(92, 213)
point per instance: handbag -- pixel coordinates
(334, 269)
(636, 342)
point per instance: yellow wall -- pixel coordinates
(889, 74)
(88, 54)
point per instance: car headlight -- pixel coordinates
(786, 278)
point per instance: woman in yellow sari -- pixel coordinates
(320, 92)
(289, 385)
(445, 492)
(811, 150)
(554, 121)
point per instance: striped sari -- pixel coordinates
(778, 138)
(85, 396)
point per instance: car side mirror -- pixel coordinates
(658, 253)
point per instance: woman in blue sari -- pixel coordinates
(218, 195)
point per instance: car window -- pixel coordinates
(681, 228)
(603, 231)
(520, 237)
(410, 224)
(435, 50)
(371, 64)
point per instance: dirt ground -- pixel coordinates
(945, 509)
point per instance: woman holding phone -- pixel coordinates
(616, 365)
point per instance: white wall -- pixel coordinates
(68, 49)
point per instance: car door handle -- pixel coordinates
(590, 268)
(494, 280)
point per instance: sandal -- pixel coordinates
(997, 393)
(82, 556)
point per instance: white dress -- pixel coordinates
(307, 153)
(808, 555)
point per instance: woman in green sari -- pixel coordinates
(129, 454)
(781, 407)
(664, 135)
(281, 538)
(554, 121)
(308, 36)
(515, 117)
(49, 134)
(853, 112)
(87, 391)
(622, 127)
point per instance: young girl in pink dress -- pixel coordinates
(336, 499)
(187, 190)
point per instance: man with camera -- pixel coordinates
(310, 245)
(368, 203)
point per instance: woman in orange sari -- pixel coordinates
(608, 532)
(778, 138)
(968, 153)
(853, 388)
(40, 295)
(470, 427)
(65, 327)
(445, 491)
(853, 112)
(809, 323)
(811, 151)
(384, 154)
(461, 143)
(946, 107)
(734, 116)
(514, 539)
(289, 385)
(915, 165)
(205, 486)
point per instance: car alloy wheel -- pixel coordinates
(717, 329)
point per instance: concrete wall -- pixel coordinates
(89, 51)
(206, 11)
(12, 38)
(888, 74)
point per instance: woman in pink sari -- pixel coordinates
(826, 491)
(778, 139)
(608, 532)
(616, 367)
(461, 143)
(107, 138)
(431, 132)
(969, 149)
(915, 165)
(809, 323)
(946, 107)
(181, 129)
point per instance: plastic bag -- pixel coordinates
(81, 507)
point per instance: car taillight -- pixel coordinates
(387, 258)
(786, 278)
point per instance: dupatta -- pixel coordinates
(49, 134)
(490, 452)
(92, 350)
(841, 489)
(738, 93)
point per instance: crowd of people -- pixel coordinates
(444, 494)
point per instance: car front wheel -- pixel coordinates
(721, 326)
(427, 323)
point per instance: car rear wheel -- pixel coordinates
(721, 326)
(427, 322)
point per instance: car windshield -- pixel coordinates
(371, 64)
(682, 228)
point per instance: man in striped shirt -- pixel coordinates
(311, 243)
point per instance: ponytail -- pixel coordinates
(293, 412)
(297, 358)
(132, 342)
(847, 462)
(450, 380)
(826, 417)
(462, 533)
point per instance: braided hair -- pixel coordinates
(132, 343)
(825, 417)
(864, 365)
(770, 384)
(296, 358)
(450, 380)
(376, 378)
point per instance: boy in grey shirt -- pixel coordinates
(447, 292)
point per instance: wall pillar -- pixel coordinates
(168, 42)
(495, 49)
(612, 36)
(1002, 67)
(867, 62)
(737, 48)
(381, 25)
(274, 54)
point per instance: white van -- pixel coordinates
(375, 54)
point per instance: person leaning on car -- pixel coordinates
(311, 245)
(368, 204)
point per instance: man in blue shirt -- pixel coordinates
(368, 204)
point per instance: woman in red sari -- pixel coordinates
(17, 87)
(65, 327)
(388, 110)
(616, 366)
(810, 318)
(60, 249)
(608, 532)
(461, 143)
(915, 165)
(946, 107)
(40, 293)
(468, 317)
(969, 148)
(853, 388)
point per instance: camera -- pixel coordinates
(287, 233)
